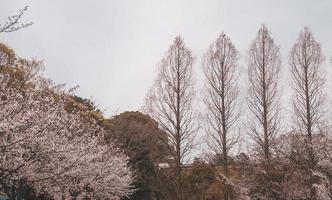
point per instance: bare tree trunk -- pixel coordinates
(263, 99)
(170, 103)
(305, 59)
(220, 97)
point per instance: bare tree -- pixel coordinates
(263, 97)
(263, 101)
(170, 101)
(221, 93)
(305, 59)
(13, 22)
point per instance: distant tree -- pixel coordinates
(200, 180)
(263, 100)
(7, 56)
(13, 22)
(219, 67)
(305, 59)
(170, 103)
(323, 171)
(87, 102)
(205, 182)
(294, 155)
(139, 136)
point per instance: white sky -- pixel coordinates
(111, 48)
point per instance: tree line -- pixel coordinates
(307, 147)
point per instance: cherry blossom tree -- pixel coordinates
(50, 142)
(292, 150)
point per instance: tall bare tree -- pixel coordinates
(263, 101)
(13, 22)
(220, 97)
(305, 59)
(170, 101)
(263, 98)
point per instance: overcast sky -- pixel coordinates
(111, 48)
